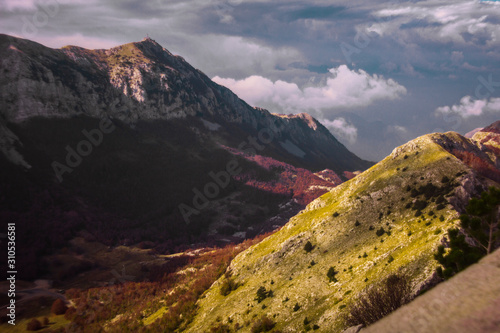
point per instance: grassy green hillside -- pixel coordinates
(392, 217)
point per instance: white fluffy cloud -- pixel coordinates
(344, 88)
(342, 129)
(461, 23)
(238, 56)
(469, 107)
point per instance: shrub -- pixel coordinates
(34, 325)
(315, 327)
(264, 324)
(227, 286)
(308, 247)
(380, 232)
(378, 301)
(440, 199)
(391, 259)
(331, 274)
(262, 294)
(220, 328)
(45, 321)
(296, 307)
(419, 205)
(58, 307)
(357, 224)
(306, 321)
(335, 214)
(70, 313)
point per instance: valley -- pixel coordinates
(148, 198)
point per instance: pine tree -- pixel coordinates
(480, 223)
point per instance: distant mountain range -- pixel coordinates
(133, 144)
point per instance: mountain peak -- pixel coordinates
(306, 117)
(493, 128)
(148, 42)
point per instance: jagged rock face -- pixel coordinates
(143, 82)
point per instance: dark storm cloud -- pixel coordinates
(436, 50)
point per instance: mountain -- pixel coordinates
(133, 145)
(143, 81)
(389, 219)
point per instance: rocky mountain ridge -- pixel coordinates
(142, 81)
(389, 219)
(118, 144)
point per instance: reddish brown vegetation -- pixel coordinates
(58, 307)
(287, 180)
(178, 291)
(33, 325)
(475, 162)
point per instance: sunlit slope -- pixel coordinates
(413, 194)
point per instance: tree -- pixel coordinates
(34, 325)
(377, 301)
(58, 307)
(262, 294)
(481, 222)
(227, 286)
(460, 256)
(308, 247)
(331, 274)
(264, 324)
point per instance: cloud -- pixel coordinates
(461, 23)
(470, 107)
(343, 89)
(236, 55)
(11, 5)
(342, 129)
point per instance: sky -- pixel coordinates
(376, 73)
